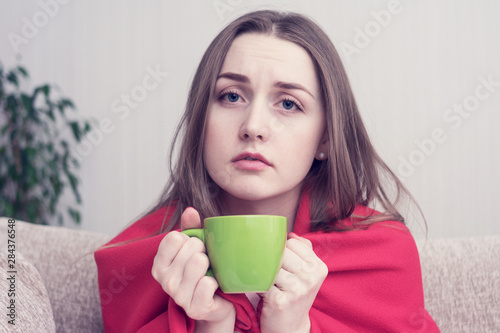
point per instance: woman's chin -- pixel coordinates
(245, 195)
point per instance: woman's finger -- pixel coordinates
(194, 270)
(206, 305)
(302, 247)
(190, 219)
(205, 290)
(169, 246)
(299, 258)
(191, 246)
(169, 272)
(291, 261)
(286, 281)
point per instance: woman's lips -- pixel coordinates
(251, 162)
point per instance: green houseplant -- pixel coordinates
(36, 162)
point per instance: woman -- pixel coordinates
(271, 127)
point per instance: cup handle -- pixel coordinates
(200, 234)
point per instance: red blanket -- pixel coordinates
(374, 282)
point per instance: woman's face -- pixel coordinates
(266, 122)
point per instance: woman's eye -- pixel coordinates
(231, 97)
(289, 105)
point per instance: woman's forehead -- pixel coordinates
(253, 54)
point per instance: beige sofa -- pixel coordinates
(56, 287)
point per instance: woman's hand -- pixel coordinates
(287, 304)
(180, 267)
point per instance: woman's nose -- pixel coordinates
(256, 123)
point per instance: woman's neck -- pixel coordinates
(283, 205)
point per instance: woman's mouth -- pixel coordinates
(251, 162)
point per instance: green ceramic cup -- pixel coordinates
(245, 251)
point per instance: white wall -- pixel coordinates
(420, 61)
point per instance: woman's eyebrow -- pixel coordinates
(279, 84)
(291, 86)
(235, 77)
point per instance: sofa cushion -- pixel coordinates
(461, 278)
(30, 310)
(64, 258)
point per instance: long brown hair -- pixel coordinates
(351, 175)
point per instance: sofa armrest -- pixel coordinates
(64, 258)
(461, 280)
(24, 296)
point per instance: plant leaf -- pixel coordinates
(73, 182)
(12, 78)
(23, 71)
(75, 129)
(4, 129)
(87, 128)
(28, 106)
(12, 105)
(46, 90)
(75, 215)
(67, 103)
(35, 159)
(8, 210)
